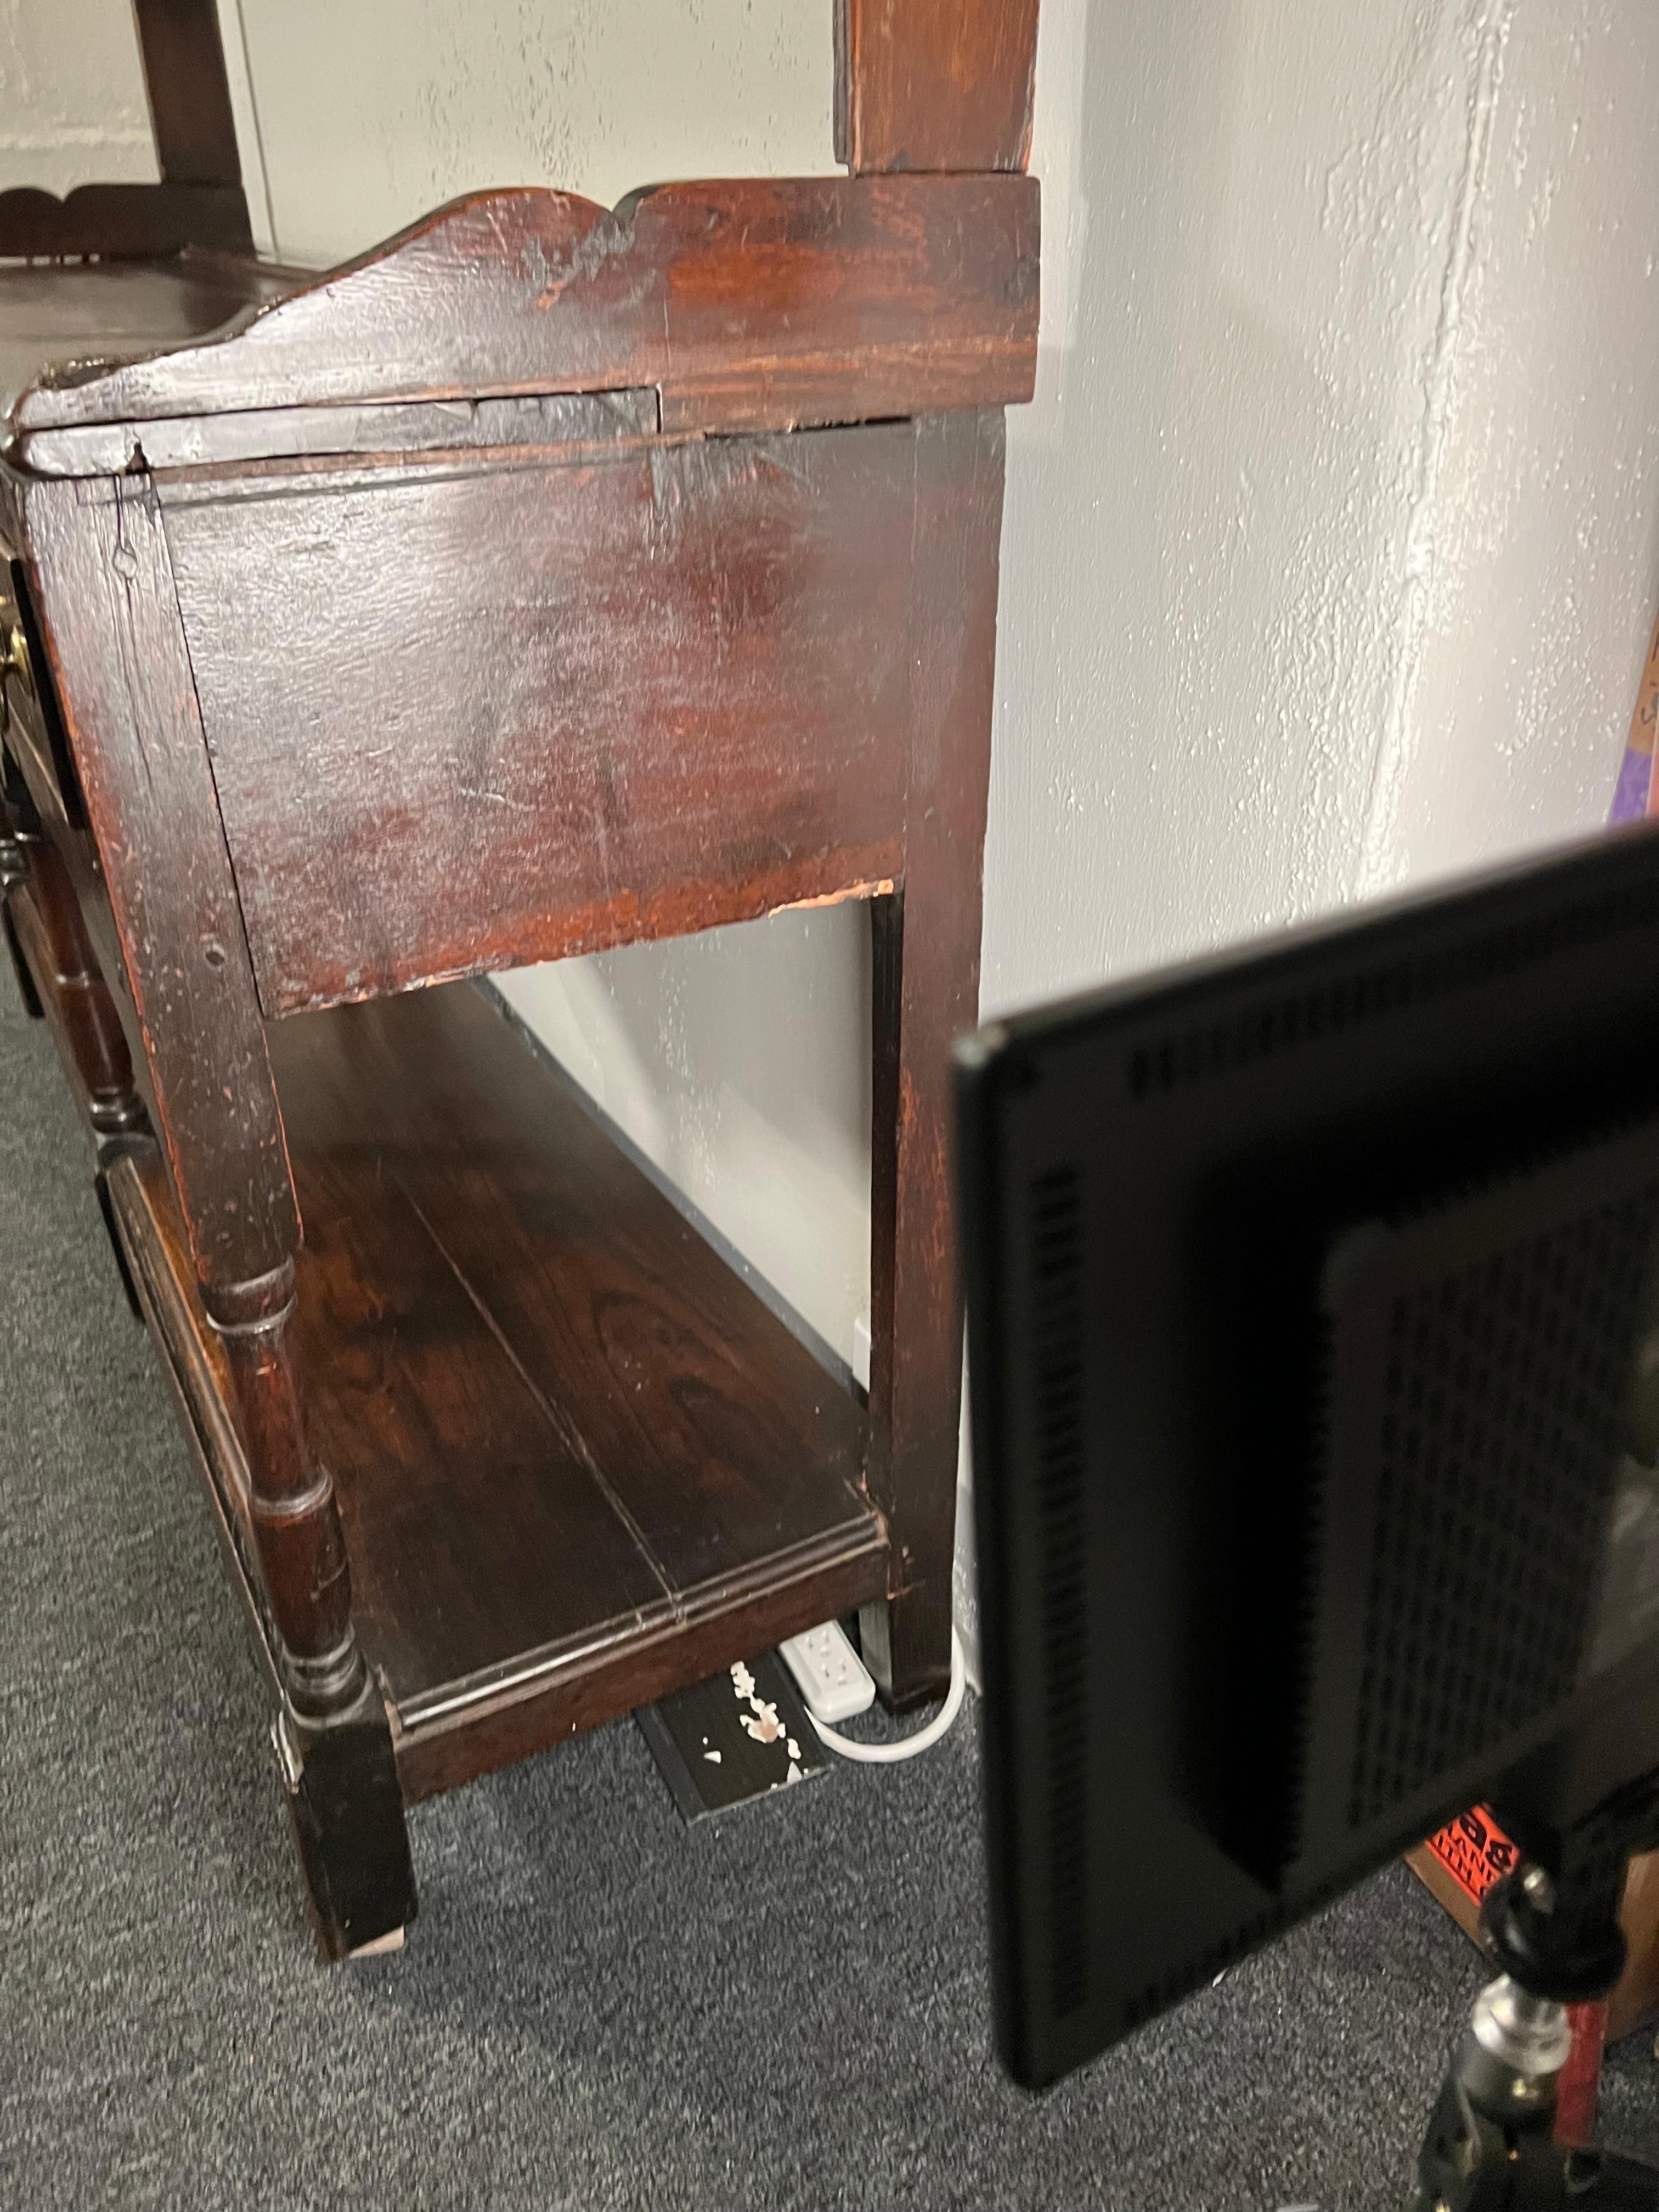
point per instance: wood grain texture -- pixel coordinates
(550, 1404)
(293, 1516)
(102, 582)
(340, 1776)
(715, 1432)
(35, 807)
(935, 84)
(927, 948)
(292, 1510)
(447, 638)
(759, 304)
(528, 709)
(32, 779)
(193, 1361)
(574, 1472)
(622, 1667)
(31, 727)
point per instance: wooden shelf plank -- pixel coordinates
(467, 1504)
(714, 1433)
(579, 1461)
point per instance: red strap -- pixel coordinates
(1577, 2090)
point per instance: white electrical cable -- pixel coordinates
(888, 1754)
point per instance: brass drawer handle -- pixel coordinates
(15, 661)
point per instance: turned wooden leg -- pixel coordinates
(926, 961)
(331, 1733)
(103, 580)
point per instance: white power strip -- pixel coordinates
(829, 1673)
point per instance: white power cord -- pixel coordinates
(888, 1754)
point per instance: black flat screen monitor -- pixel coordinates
(1311, 1325)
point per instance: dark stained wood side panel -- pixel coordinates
(39, 808)
(46, 917)
(935, 84)
(192, 1359)
(103, 589)
(759, 304)
(74, 850)
(926, 950)
(467, 717)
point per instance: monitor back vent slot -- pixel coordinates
(1056, 1230)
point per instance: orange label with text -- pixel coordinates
(1474, 1851)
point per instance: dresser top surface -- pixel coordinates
(55, 317)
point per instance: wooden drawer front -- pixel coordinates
(482, 711)
(29, 721)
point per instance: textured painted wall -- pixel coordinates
(372, 112)
(1330, 547)
(1536, 567)
(72, 106)
(1332, 539)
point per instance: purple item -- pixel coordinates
(1630, 797)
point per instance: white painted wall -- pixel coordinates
(1332, 541)
(374, 110)
(71, 95)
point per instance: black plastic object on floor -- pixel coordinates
(736, 1737)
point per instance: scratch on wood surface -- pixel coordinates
(493, 799)
(604, 240)
(493, 218)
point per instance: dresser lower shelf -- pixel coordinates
(579, 1462)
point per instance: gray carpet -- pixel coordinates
(598, 2008)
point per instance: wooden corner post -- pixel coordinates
(116, 641)
(926, 951)
(930, 85)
